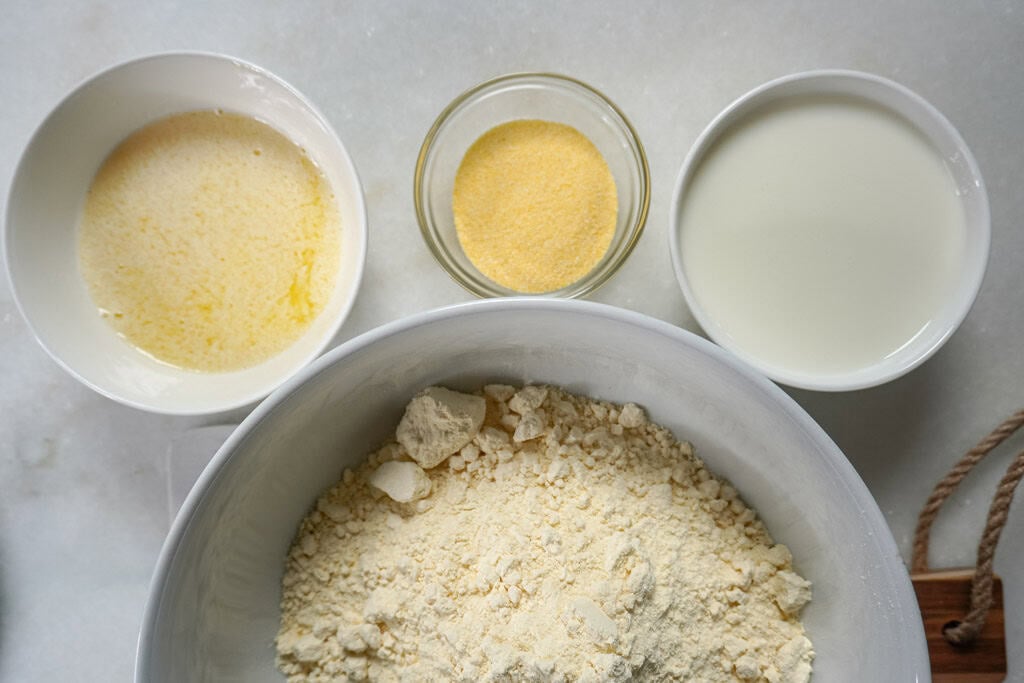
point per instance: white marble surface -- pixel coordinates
(84, 481)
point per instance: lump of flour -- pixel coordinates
(535, 535)
(403, 482)
(437, 423)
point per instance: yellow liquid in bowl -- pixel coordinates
(210, 241)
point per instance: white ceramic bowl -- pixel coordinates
(56, 169)
(213, 607)
(957, 158)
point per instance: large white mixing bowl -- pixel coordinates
(213, 608)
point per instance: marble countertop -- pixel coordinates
(87, 485)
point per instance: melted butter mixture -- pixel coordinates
(210, 241)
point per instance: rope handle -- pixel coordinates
(966, 630)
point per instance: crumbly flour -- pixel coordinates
(567, 540)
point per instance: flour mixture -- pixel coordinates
(534, 535)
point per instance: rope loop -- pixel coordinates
(966, 630)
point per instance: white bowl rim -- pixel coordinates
(360, 209)
(870, 511)
(838, 381)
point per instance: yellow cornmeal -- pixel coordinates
(535, 205)
(209, 241)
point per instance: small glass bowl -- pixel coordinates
(547, 97)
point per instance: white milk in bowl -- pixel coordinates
(821, 234)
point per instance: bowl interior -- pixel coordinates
(961, 166)
(49, 190)
(213, 609)
(528, 96)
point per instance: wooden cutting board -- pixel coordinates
(945, 596)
